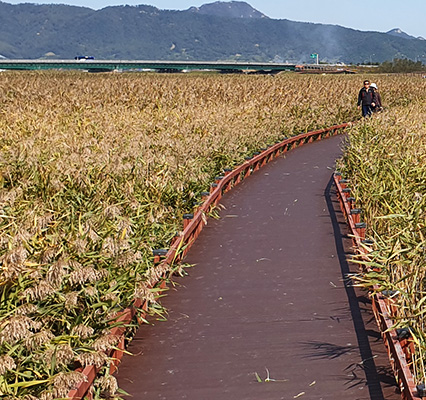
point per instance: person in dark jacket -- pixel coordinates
(378, 106)
(366, 99)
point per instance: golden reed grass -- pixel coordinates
(385, 160)
(96, 171)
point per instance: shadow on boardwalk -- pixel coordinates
(379, 378)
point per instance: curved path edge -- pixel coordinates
(269, 294)
(193, 225)
(398, 350)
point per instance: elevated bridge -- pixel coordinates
(140, 65)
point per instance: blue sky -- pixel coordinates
(378, 15)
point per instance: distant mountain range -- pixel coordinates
(398, 33)
(216, 31)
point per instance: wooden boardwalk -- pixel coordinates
(267, 300)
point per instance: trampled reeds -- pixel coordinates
(386, 163)
(96, 171)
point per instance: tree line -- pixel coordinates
(402, 65)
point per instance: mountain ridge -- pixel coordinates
(400, 33)
(231, 9)
(221, 31)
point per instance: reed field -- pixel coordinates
(96, 171)
(385, 161)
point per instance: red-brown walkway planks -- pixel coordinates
(268, 297)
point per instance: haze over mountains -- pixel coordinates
(215, 31)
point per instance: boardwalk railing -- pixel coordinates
(193, 225)
(398, 347)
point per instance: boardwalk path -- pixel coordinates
(267, 294)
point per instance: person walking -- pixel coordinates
(378, 106)
(366, 99)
